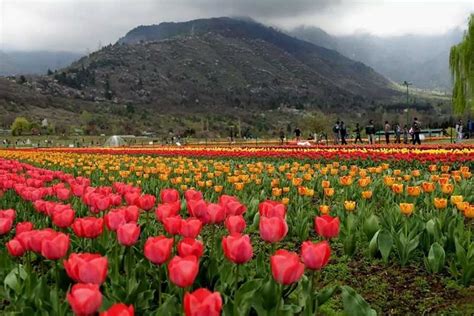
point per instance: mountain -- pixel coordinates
(419, 59)
(204, 76)
(34, 62)
(222, 62)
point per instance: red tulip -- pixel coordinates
(85, 299)
(101, 203)
(165, 210)
(172, 224)
(272, 209)
(169, 195)
(127, 234)
(15, 248)
(197, 208)
(192, 195)
(234, 208)
(216, 214)
(235, 224)
(190, 247)
(23, 227)
(131, 213)
(63, 218)
(119, 309)
(33, 239)
(315, 255)
(146, 202)
(88, 227)
(10, 213)
(191, 227)
(6, 224)
(237, 248)
(224, 199)
(286, 267)
(158, 249)
(273, 229)
(86, 268)
(183, 270)
(114, 219)
(63, 194)
(202, 302)
(55, 247)
(327, 226)
(131, 198)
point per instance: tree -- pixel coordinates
(461, 63)
(20, 126)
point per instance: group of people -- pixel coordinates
(340, 133)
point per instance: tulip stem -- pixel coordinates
(237, 275)
(159, 285)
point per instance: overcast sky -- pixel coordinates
(80, 25)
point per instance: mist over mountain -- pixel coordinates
(34, 62)
(419, 59)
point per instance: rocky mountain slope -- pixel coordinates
(420, 59)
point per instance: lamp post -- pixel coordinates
(407, 84)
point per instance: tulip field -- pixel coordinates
(237, 231)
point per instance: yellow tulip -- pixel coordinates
(349, 205)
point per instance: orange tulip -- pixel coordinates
(440, 203)
(415, 173)
(461, 206)
(345, 180)
(469, 211)
(325, 184)
(397, 188)
(428, 187)
(388, 180)
(276, 192)
(366, 195)
(445, 168)
(285, 201)
(324, 209)
(329, 192)
(363, 182)
(447, 188)
(218, 188)
(432, 168)
(397, 172)
(414, 191)
(407, 208)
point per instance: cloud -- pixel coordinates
(80, 25)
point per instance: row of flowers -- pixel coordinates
(431, 153)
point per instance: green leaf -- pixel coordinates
(354, 304)
(436, 257)
(373, 244)
(385, 244)
(371, 226)
(325, 294)
(12, 281)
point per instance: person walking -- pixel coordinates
(337, 132)
(297, 132)
(416, 131)
(343, 132)
(357, 134)
(370, 131)
(386, 129)
(398, 131)
(459, 131)
(282, 136)
(405, 134)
